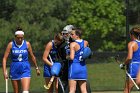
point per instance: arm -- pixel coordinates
(72, 50)
(33, 57)
(86, 43)
(6, 54)
(46, 54)
(130, 52)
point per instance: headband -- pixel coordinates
(19, 32)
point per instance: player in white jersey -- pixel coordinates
(20, 71)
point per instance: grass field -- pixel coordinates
(103, 77)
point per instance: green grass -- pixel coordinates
(105, 76)
(102, 76)
(37, 82)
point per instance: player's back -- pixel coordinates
(78, 53)
(136, 54)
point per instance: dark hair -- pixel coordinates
(59, 37)
(135, 31)
(78, 32)
(18, 28)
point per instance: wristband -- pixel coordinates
(36, 68)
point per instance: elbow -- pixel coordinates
(4, 61)
(71, 58)
(44, 58)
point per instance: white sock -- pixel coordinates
(25, 92)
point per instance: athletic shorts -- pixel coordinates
(77, 71)
(133, 69)
(19, 70)
(47, 71)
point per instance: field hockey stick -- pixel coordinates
(50, 83)
(116, 58)
(59, 80)
(6, 81)
(132, 80)
(50, 59)
(6, 84)
(52, 78)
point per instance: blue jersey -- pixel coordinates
(136, 54)
(53, 52)
(78, 54)
(53, 55)
(20, 67)
(77, 67)
(19, 53)
(135, 62)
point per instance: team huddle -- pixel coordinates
(64, 58)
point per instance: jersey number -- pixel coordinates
(20, 57)
(80, 57)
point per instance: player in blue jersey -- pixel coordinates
(20, 70)
(77, 67)
(51, 53)
(132, 60)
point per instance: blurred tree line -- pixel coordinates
(102, 21)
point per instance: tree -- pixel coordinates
(40, 19)
(134, 12)
(101, 19)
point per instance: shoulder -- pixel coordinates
(10, 44)
(27, 42)
(132, 43)
(73, 43)
(85, 41)
(49, 44)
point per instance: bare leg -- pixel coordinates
(56, 85)
(82, 84)
(72, 86)
(128, 86)
(16, 86)
(25, 84)
(138, 78)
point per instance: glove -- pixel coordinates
(122, 66)
(55, 69)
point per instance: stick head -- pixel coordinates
(46, 87)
